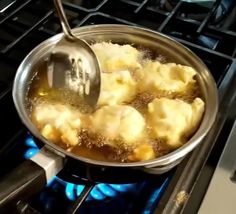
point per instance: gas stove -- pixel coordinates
(208, 28)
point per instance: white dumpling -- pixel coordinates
(116, 88)
(57, 122)
(114, 57)
(119, 121)
(171, 119)
(165, 77)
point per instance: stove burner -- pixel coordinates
(99, 192)
(72, 191)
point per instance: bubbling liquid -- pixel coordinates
(94, 145)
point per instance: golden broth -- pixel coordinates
(93, 145)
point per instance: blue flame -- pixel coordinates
(33, 149)
(72, 191)
(155, 197)
(96, 194)
(79, 189)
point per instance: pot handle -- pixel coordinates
(28, 178)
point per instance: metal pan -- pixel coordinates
(34, 173)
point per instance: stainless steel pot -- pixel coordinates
(122, 34)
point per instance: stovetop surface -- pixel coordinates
(208, 29)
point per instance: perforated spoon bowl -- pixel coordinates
(73, 65)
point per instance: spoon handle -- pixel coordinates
(64, 23)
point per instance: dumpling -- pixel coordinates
(57, 122)
(116, 88)
(114, 57)
(165, 77)
(119, 121)
(142, 152)
(173, 119)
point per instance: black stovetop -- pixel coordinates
(208, 29)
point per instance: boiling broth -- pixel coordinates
(93, 145)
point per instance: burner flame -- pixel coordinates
(72, 191)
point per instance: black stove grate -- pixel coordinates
(204, 28)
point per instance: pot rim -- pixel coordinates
(203, 129)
